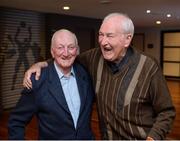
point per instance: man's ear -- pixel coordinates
(128, 40)
(129, 36)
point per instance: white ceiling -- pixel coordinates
(136, 9)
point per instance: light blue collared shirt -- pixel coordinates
(71, 93)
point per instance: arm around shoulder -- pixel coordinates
(35, 68)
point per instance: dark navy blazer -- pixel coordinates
(47, 101)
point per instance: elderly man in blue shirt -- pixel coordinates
(61, 99)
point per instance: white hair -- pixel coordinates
(127, 24)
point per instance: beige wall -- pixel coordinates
(152, 36)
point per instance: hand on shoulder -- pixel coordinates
(35, 68)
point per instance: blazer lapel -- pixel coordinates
(82, 86)
(55, 88)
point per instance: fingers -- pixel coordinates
(149, 139)
(27, 81)
(35, 68)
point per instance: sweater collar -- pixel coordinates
(115, 67)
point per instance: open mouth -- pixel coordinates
(106, 49)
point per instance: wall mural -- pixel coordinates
(20, 47)
(22, 43)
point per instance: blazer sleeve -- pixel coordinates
(22, 114)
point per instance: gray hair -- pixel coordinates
(126, 24)
(73, 35)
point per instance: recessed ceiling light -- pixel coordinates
(148, 11)
(66, 7)
(158, 22)
(168, 15)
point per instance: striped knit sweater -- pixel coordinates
(147, 112)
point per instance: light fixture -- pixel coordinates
(158, 22)
(66, 7)
(168, 15)
(148, 11)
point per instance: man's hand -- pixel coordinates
(36, 68)
(149, 139)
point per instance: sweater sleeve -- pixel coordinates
(162, 105)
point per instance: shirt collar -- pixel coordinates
(60, 74)
(116, 67)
